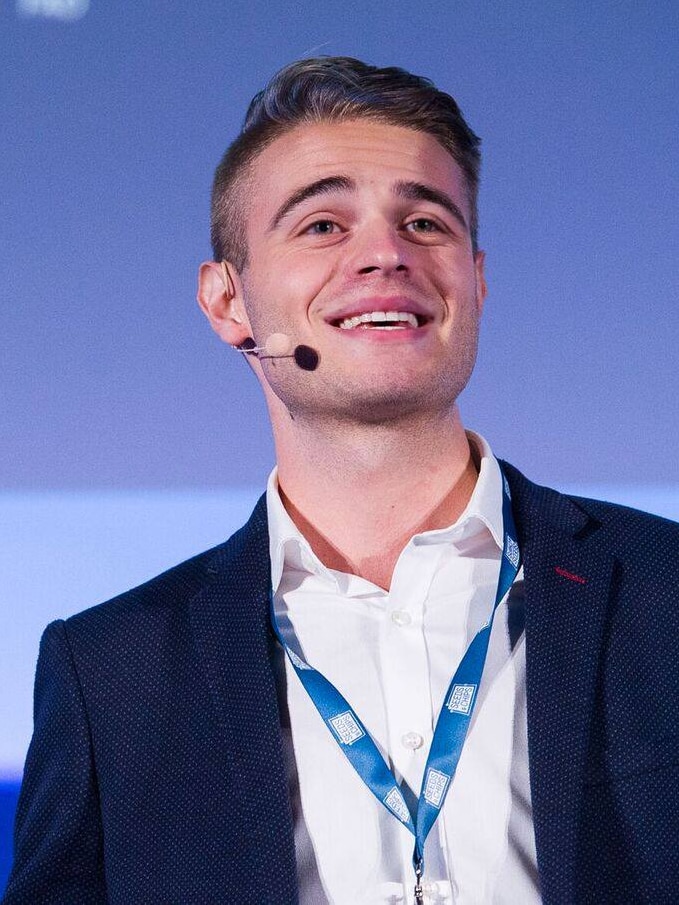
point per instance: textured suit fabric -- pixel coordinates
(156, 772)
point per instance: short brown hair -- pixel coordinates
(333, 89)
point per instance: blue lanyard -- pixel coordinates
(451, 726)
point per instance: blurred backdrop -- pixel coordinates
(130, 438)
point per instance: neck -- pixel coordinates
(359, 493)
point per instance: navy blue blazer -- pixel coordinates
(156, 771)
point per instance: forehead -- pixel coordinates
(374, 155)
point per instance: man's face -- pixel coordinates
(359, 220)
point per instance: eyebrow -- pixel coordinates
(418, 191)
(409, 191)
(321, 187)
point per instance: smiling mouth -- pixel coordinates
(381, 320)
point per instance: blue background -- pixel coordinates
(130, 438)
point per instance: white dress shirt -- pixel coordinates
(392, 655)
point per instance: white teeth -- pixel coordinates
(379, 316)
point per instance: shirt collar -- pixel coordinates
(484, 509)
(289, 549)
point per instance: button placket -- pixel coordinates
(406, 668)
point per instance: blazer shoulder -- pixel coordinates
(647, 544)
(627, 517)
(164, 595)
(629, 532)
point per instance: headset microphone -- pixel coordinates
(279, 345)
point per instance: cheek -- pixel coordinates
(275, 304)
(294, 283)
(462, 311)
(457, 279)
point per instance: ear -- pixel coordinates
(220, 296)
(481, 287)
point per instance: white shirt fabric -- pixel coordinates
(392, 655)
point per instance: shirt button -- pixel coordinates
(412, 740)
(401, 618)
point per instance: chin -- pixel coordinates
(389, 407)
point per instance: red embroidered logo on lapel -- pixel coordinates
(564, 573)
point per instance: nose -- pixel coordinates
(378, 248)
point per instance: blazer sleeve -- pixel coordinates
(58, 839)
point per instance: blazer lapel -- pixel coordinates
(568, 587)
(230, 624)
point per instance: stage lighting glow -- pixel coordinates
(65, 10)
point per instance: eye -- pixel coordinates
(423, 225)
(322, 228)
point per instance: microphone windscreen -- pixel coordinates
(278, 345)
(306, 358)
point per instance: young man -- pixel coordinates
(413, 676)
